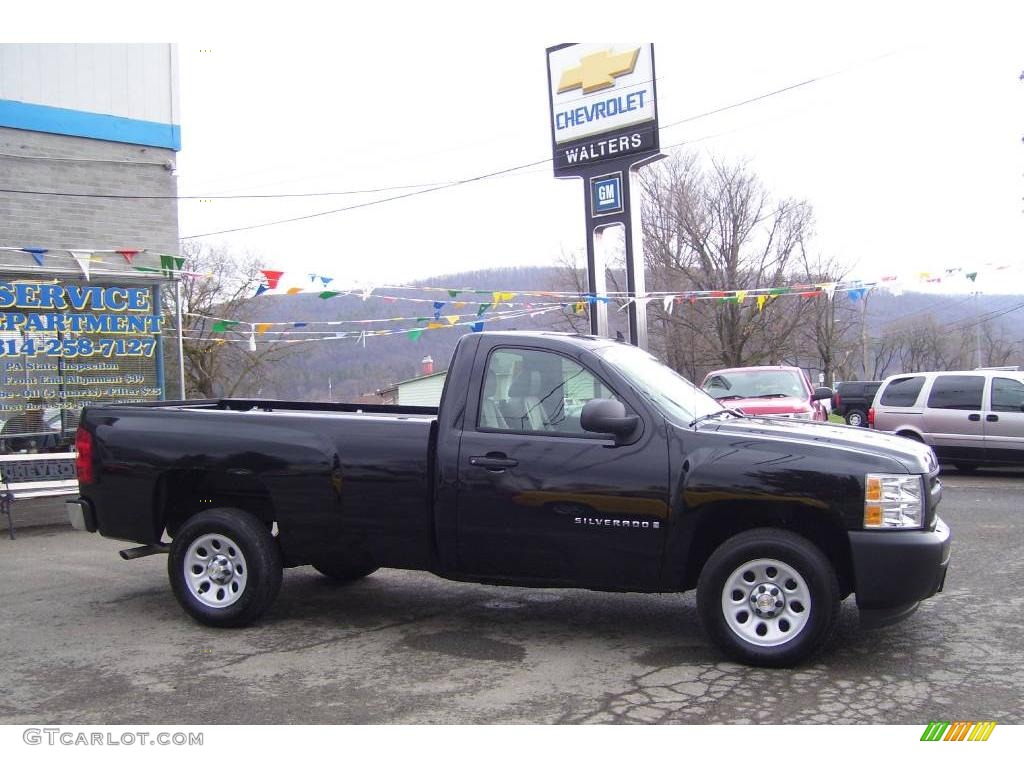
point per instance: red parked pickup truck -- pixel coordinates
(768, 390)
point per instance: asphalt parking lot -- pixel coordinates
(88, 638)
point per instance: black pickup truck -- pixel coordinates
(554, 460)
(852, 401)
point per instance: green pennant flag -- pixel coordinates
(329, 294)
(415, 333)
(166, 264)
(146, 269)
(453, 293)
(421, 319)
(971, 276)
(179, 262)
(778, 291)
(483, 308)
(224, 325)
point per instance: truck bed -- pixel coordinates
(335, 475)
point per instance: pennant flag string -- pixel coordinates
(88, 261)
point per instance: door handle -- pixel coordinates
(974, 417)
(991, 417)
(495, 462)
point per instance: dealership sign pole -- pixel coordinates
(604, 128)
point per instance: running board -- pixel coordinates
(144, 551)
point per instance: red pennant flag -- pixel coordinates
(272, 277)
(128, 254)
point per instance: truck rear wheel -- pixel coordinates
(768, 597)
(224, 567)
(856, 418)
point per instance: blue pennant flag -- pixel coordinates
(37, 254)
(477, 327)
(262, 289)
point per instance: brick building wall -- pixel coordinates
(99, 168)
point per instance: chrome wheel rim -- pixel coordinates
(215, 570)
(766, 602)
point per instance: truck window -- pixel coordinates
(958, 393)
(902, 392)
(527, 390)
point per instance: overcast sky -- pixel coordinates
(909, 149)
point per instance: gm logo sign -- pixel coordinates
(606, 194)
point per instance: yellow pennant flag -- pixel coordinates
(436, 325)
(263, 327)
(293, 291)
(579, 307)
(740, 296)
(761, 301)
(502, 296)
(452, 319)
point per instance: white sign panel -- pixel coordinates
(600, 87)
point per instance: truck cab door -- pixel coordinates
(542, 500)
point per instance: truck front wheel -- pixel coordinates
(768, 597)
(224, 567)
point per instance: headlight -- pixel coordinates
(893, 501)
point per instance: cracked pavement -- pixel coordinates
(88, 638)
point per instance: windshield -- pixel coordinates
(673, 395)
(742, 384)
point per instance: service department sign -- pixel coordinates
(603, 103)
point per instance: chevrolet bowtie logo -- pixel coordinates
(598, 70)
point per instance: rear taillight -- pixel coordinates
(871, 417)
(83, 461)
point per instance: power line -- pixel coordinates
(419, 188)
(366, 204)
(223, 197)
(163, 163)
(494, 173)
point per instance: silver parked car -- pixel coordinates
(969, 418)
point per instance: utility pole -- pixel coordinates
(977, 330)
(864, 333)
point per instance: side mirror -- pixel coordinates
(821, 393)
(608, 417)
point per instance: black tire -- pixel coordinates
(234, 555)
(343, 573)
(806, 587)
(856, 418)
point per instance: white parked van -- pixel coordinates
(969, 418)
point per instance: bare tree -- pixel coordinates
(716, 229)
(572, 277)
(830, 331)
(221, 363)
